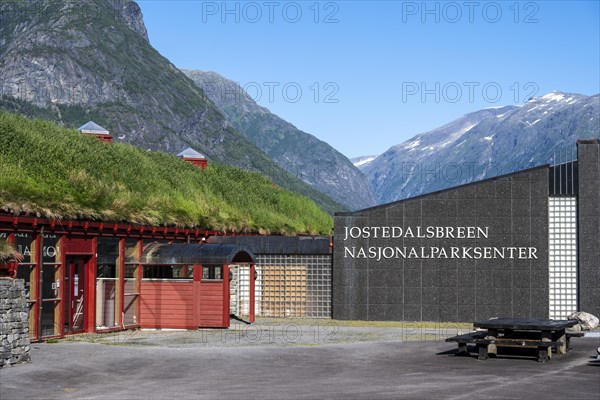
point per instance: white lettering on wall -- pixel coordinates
(474, 253)
(352, 233)
(417, 232)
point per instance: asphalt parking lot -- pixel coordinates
(167, 365)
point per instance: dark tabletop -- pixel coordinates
(525, 324)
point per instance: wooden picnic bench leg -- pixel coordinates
(544, 354)
(492, 348)
(546, 337)
(483, 351)
(562, 338)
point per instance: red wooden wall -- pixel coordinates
(79, 245)
(198, 162)
(167, 304)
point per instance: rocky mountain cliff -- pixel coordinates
(301, 154)
(484, 144)
(90, 60)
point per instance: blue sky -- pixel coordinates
(366, 75)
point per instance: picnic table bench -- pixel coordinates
(543, 334)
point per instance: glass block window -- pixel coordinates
(562, 256)
(318, 282)
(293, 286)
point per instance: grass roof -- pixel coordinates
(57, 173)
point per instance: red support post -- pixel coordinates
(63, 282)
(121, 283)
(38, 287)
(196, 296)
(90, 282)
(139, 274)
(226, 284)
(13, 265)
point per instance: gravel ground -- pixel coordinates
(183, 369)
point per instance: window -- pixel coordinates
(562, 260)
(168, 272)
(212, 273)
(106, 271)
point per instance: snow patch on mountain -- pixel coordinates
(363, 161)
(412, 145)
(553, 96)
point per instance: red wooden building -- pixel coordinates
(93, 129)
(193, 157)
(86, 276)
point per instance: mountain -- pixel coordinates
(484, 144)
(301, 154)
(72, 62)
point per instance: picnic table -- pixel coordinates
(543, 334)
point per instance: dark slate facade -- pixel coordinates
(282, 245)
(588, 205)
(513, 209)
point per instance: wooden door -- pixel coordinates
(211, 296)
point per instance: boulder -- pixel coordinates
(586, 320)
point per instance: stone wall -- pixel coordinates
(14, 322)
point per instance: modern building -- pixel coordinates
(526, 244)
